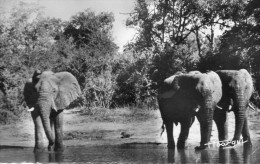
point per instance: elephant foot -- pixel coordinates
(171, 146)
(36, 149)
(201, 147)
(59, 148)
(248, 143)
(39, 147)
(181, 145)
(51, 147)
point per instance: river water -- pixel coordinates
(134, 152)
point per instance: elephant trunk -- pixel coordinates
(239, 111)
(208, 125)
(205, 118)
(45, 110)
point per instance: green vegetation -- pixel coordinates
(172, 35)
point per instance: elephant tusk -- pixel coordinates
(229, 107)
(30, 109)
(251, 107)
(197, 109)
(53, 105)
(170, 79)
(219, 107)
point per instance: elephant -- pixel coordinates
(237, 88)
(184, 96)
(47, 94)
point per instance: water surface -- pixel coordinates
(133, 152)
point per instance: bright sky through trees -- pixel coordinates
(64, 9)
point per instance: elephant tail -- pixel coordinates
(163, 128)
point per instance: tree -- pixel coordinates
(183, 31)
(25, 40)
(88, 49)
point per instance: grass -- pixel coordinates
(126, 114)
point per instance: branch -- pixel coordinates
(128, 13)
(223, 24)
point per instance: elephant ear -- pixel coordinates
(187, 81)
(68, 90)
(170, 86)
(173, 81)
(30, 94)
(36, 76)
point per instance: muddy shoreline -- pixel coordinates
(103, 139)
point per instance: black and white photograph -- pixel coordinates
(129, 81)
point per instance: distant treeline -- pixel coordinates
(172, 35)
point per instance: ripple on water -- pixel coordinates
(133, 152)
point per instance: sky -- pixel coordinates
(64, 9)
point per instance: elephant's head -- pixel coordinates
(47, 91)
(193, 81)
(54, 90)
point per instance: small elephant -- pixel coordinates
(237, 88)
(184, 96)
(47, 94)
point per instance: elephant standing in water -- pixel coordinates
(47, 94)
(183, 96)
(237, 88)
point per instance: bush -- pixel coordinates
(134, 86)
(99, 89)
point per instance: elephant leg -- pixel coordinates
(192, 120)
(58, 126)
(245, 132)
(38, 128)
(205, 117)
(220, 118)
(52, 116)
(169, 130)
(185, 128)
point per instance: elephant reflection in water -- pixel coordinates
(47, 94)
(48, 157)
(233, 156)
(184, 96)
(221, 155)
(226, 155)
(183, 156)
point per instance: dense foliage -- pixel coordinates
(172, 35)
(203, 35)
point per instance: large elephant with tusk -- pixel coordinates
(237, 88)
(184, 96)
(47, 94)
